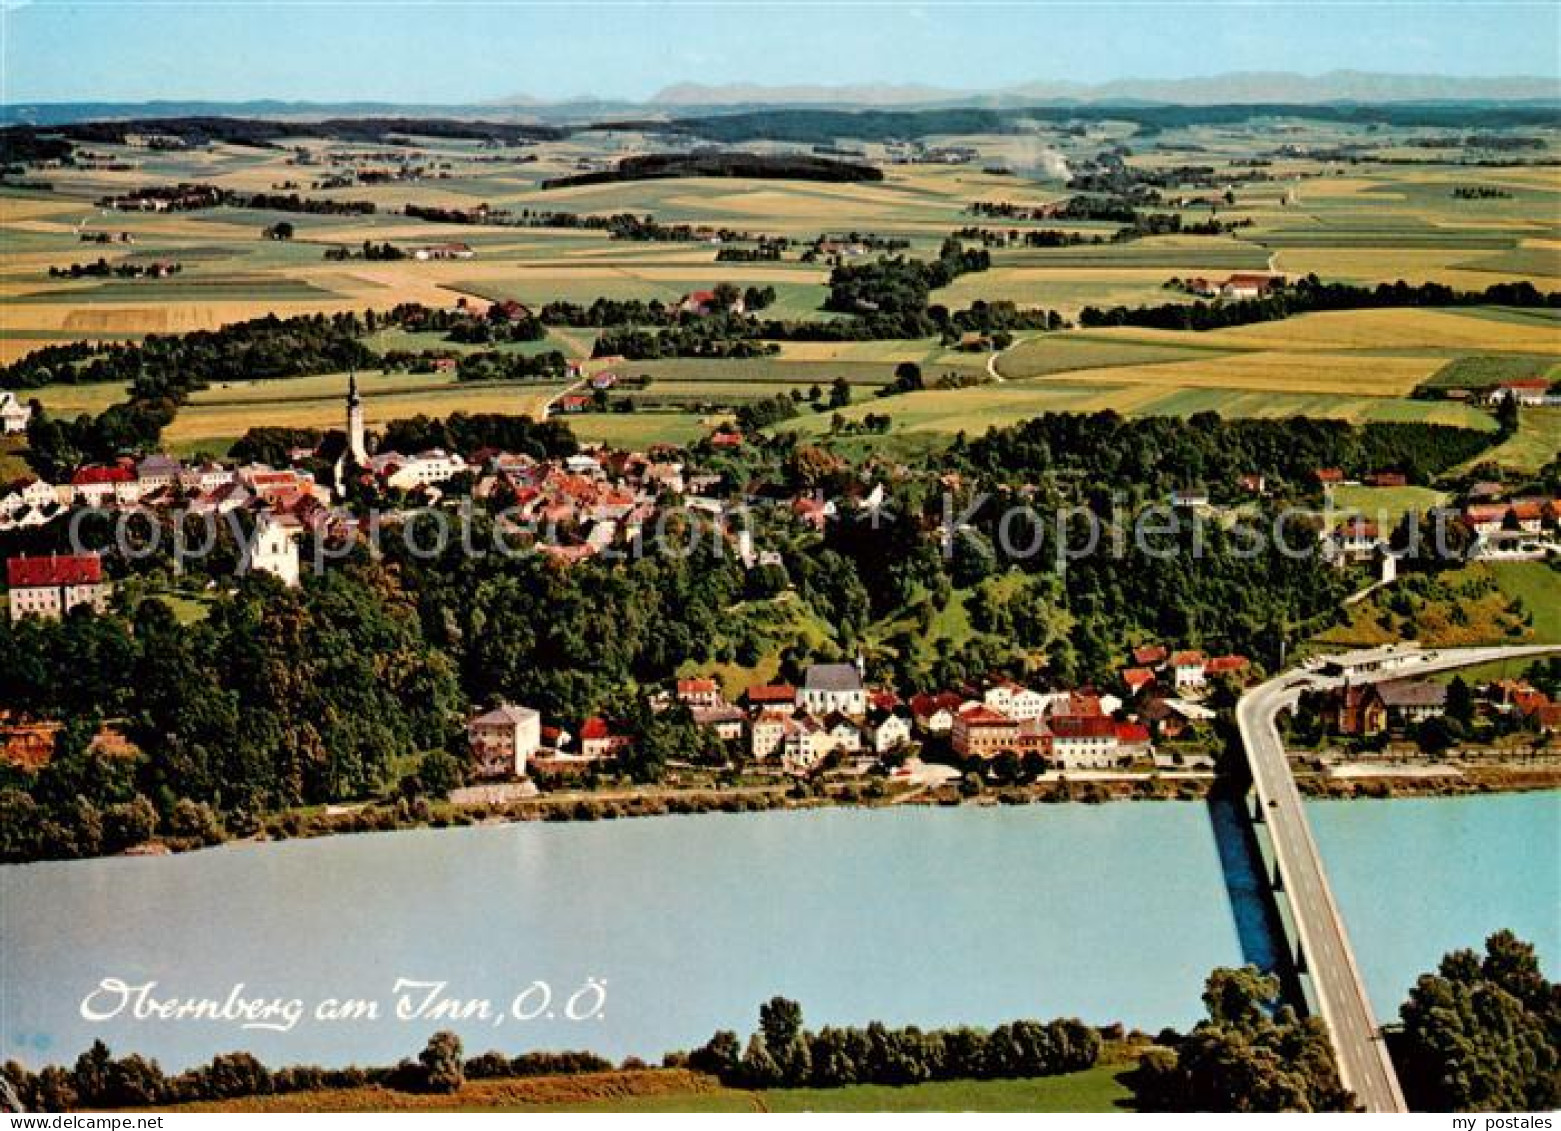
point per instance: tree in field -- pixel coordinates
(839, 393)
(1507, 414)
(1482, 1034)
(908, 377)
(443, 1068)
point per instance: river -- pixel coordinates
(914, 915)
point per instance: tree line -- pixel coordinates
(782, 1053)
(1310, 295)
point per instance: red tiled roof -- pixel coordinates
(1135, 734)
(1137, 678)
(1226, 664)
(925, 706)
(99, 474)
(1358, 528)
(594, 727)
(772, 693)
(1082, 726)
(1187, 659)
(883, 699)
(696, 686)
(1149, 654)
(1485, 512)
(980, 715)
(1329, 475)
(57, 569)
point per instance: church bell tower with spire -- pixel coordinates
(355, 444)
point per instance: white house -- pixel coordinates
(272, 550)
(805, 743)
(14, 414)
(841, 734)
(886, 730)
(767, 734)
(1188, 668)
(828, 688)
(1084, 742)
(203, 477)
(1016, 701)
(157, 471)
(503, 739)
(31, 494)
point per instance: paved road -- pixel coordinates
(1344, 1006)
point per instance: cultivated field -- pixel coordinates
(1362, 222)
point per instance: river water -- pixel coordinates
(926, 916)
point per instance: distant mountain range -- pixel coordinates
(1241, 88)
(1235, 88)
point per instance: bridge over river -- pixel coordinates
(1300, 887)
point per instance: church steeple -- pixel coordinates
(355, 443)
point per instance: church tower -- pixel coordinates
(355, 445)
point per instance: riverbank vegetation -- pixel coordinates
(1481, 1033)
(831, 1061)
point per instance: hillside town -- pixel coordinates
(1155, 718)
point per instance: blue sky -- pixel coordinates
(477, 50)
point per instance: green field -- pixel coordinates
(1524, 607)
(1481, 370)
(1095, 1090)
(1385, 503)
(1536, 443)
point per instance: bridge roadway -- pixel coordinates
(1345, 1008)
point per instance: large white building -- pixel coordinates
(422, 470)
(51, 587)
(828, 688)
(272, 549)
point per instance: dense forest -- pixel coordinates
(757, 166)
(816, 126)
(29, 142)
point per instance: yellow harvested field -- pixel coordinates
(197, 422)
(1408, 329)
(1373, 265)
(1275, 372)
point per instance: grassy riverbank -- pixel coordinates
(1096, 1089)
(617, 803)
